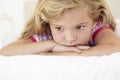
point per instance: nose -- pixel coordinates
(70, 37)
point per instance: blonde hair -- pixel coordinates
(47, 10)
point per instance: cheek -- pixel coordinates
(57, 37)
(84, 37)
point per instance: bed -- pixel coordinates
(39, 67)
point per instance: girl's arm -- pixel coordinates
(107, 42)
(26, 46)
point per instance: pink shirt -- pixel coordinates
(98, 27)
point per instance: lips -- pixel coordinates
(72, 45)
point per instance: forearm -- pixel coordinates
(60, 54)
(27, 48)
(99, 50)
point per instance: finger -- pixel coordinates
(83, 47)
(74, 49)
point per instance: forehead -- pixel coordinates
(73, 16)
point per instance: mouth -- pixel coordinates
(72, 45)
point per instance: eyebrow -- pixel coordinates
(57, 25)
(82, 23)
(75, 24)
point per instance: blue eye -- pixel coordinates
(80, 27)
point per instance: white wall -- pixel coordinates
(29, 6)
(114, 7)
(12, 11)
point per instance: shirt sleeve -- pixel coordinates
(32, 39)
(36, 38)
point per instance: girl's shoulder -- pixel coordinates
(98, 27)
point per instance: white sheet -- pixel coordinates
(38, 67)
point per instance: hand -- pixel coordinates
(61, 48)
(83, 47)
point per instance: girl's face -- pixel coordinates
(73, 28)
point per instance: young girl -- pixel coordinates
(67, 27)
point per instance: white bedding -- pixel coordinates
(38, 67)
